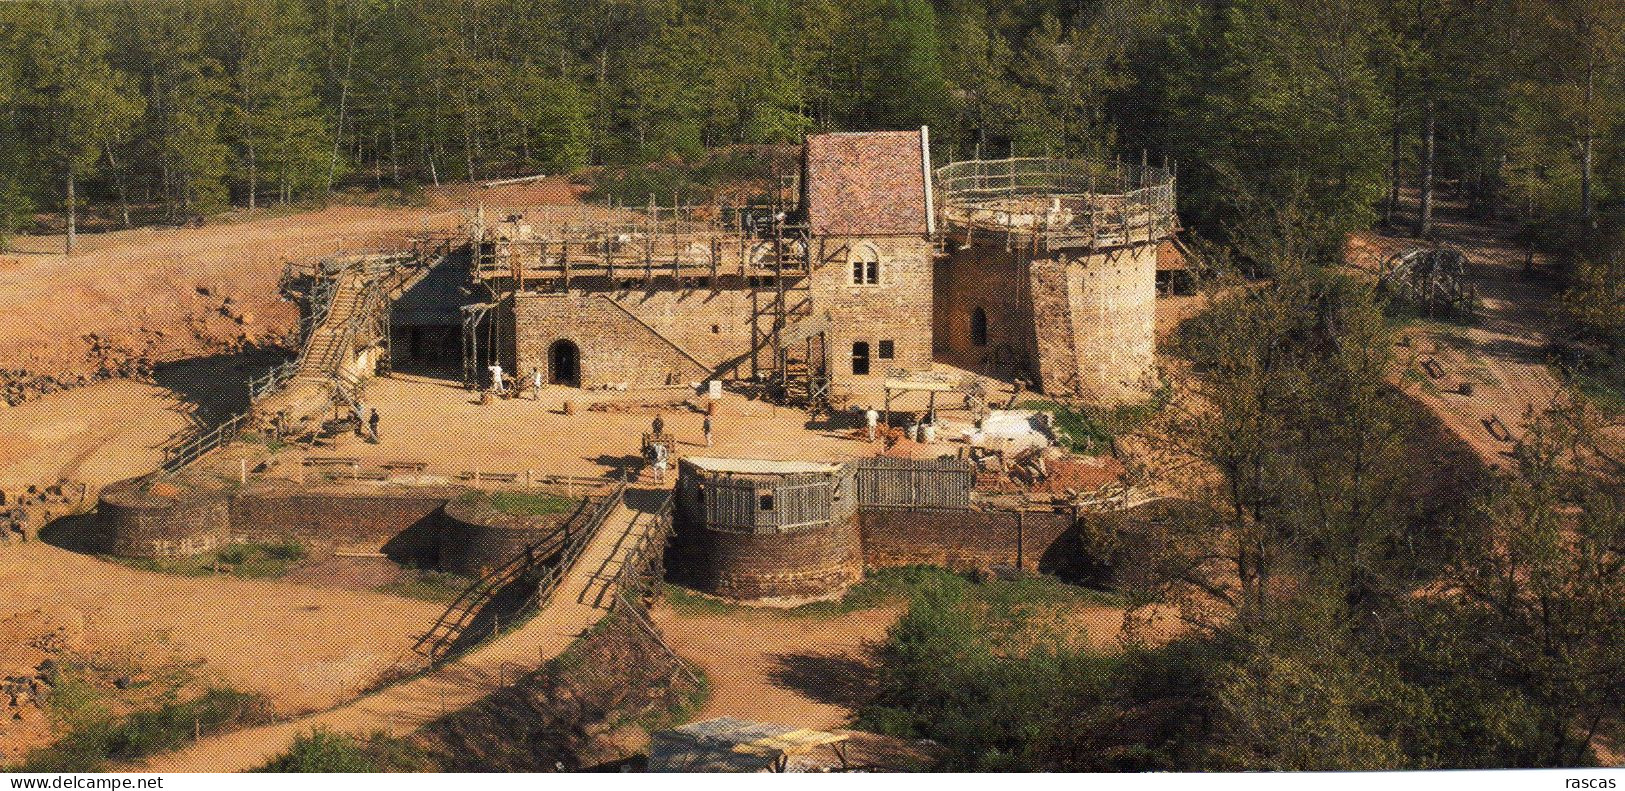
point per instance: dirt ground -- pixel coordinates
(116, 429)
(438, 422)
(815, 671)
(303, 647)
(812, 672)
(1502, 354)
(155, 290)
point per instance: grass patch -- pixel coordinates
(1602, 385)
(906, 584)
(1093, 431)
(94, 743)
(271, 443)
(441, 587)
(248, 561)
(525, 503)
(323, 751)
(979, 668)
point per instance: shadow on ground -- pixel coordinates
(836, 679)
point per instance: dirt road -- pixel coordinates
(1502, 354)
(810, 671)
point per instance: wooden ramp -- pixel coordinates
(579, 602)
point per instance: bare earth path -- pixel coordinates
(811, 672)
(303, 647)
(404, 707)
(1502, 354)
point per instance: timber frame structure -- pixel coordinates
(765, 247)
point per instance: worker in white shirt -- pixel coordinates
(496, 378)
(871, 418)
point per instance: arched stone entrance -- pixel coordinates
(564, 363)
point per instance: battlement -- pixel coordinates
(1057, 204)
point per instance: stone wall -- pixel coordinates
(475, 539)
(1096, 324)
(800, 564)
(177, 522)
(615, 346)
(898, 309)
(404, 525)
(436, 526)
(995, 280)
(965, 540)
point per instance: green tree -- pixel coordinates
(1573, 93)
(1284, 98)
(275, 117)
(1548, 589)
(69, 102)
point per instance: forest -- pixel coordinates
(1355, 598)
(166, 111)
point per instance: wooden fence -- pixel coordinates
(934, 483)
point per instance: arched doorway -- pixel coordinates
(978, 327)
(565, 363)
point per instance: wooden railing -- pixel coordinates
(639, 578)
(565, 544)
(1059, 203)
(177, 457)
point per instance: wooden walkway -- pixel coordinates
(581, 600)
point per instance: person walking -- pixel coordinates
(359, 413)
(535, 384)
(496, 378)
(662, 457)
(372, 425)
(706, 427)
(659, 426)
(871, 418)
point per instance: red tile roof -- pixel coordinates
(866, 184)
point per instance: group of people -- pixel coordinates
(366, 425)
(657, 449)
(502, 384)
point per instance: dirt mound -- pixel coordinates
(130, 300)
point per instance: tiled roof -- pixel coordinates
(866, 184)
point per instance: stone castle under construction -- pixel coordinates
(876, 265)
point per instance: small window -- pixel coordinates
(766, 503)
(860, 358)
(716, 328)
(888, 350)
(865, 266)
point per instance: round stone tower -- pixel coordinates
(1065, 254)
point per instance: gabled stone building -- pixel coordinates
(1036, 267)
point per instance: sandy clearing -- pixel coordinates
(404, 707)
(438, 422)
(304, 647)
(807, 671)
(116, 428)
